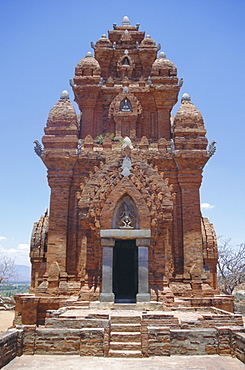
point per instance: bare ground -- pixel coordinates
(6, 319)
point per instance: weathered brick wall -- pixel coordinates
(86, 341)
(193, 342)
(225, 341)
(221, 320)
(213, 320)
(57, 341)
(75, 324)
(238, 345)
(160, 319)
(10, 346)
(92, 342)
(158, 341)
(30, 310)
(29, 335)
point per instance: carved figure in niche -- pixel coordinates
(126, 215)
(126, 62)
(125, 106)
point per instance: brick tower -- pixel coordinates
(124, 221)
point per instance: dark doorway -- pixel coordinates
(125, 271)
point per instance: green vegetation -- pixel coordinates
(99, 139)
(9, 289)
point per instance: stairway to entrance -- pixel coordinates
(125, 336)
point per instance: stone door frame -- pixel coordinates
(108, 238)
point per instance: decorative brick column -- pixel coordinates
(143, 281)
(107, 294)
(192, 234)
(58, 219)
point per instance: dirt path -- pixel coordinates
(6, 319)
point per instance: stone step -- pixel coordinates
(125, 327)
(125, 337)
(74, 303)
(124, 306)
(130, 346)
(127, 319)
(118, 353)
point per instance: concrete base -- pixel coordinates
(139, 306)
(107, 297)
(143, 297)
(54, 362)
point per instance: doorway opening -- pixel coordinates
(125, 271)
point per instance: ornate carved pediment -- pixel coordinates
(125, 66)
(121, 102)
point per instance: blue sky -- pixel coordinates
(42, 41)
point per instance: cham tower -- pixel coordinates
(124, 223)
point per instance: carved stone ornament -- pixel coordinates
(126, 166)
(126, 216)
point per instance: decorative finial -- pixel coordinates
(126, 166)
(162, 55)
(89, 55)
(103, 36)
(64, 95)
(185, 96)
(125, 21)
(127, 142)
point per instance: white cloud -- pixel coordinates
(3, 238)
(207, 206)
(20, 253)
(24, 247)
(12, 250)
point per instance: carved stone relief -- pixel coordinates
(125, 215)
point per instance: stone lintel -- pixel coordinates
(125, 234)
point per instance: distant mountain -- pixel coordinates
(23, 274)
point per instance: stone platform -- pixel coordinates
(49, 362)
(126, 331)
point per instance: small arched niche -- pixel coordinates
(126, 62)
(125, 215)
(125, 106)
